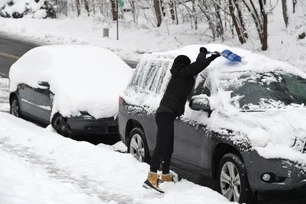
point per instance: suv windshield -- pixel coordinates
(260, 91)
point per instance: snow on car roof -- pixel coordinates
(82, 77)
(250, 60)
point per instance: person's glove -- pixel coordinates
(216, 53)
(203, 49)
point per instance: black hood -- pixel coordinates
(180, 62)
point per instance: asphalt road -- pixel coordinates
(12, 49)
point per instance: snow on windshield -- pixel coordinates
(83, 78)
(251, 91)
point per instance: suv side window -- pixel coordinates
(202, 86)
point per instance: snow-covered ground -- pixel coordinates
(40, 166)
(4, 95)
(134, 40)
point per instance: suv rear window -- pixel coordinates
(150, 75)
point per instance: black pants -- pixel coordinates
(164, 141)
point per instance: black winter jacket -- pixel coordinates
(182, 82)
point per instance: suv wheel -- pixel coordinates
(137, 145)
(14, 107)
(232, 179)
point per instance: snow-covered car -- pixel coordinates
(75, 88)
(244, 125)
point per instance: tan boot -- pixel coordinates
(167, 178)
(152, 182)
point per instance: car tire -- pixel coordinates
(138, 146)
(15, 107)
(232, 179)
(60, 125)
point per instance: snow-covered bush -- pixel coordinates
(28, 8)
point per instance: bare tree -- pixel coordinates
(235, 22)
(240, 17)
(78, 7)
(194, 15)
(114, 9)
(294, 2)
(86, 4)
(260, 18)
(172, 10)
(285, 12)
(157, 10)
(219, 24)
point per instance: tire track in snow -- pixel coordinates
(87, 185)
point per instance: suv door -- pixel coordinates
(152, 80)
(194, 144)
(36, 102)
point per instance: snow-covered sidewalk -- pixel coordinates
(25, 181)
(40, 166)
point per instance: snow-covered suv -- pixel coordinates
(244, 124)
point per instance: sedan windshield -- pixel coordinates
(262, 91)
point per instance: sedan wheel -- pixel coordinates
(14, 107)
(137, 145)
(59, 123)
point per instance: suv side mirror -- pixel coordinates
(44, 84)
(200, 102)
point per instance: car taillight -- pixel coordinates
(121, 100)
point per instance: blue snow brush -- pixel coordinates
(229, 55)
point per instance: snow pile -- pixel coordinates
(278, 131)
(75, 169)
(83, 78)
(4, 95)
(27, 8)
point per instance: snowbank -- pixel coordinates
(83, 78)
(279, 125)
(100, 172)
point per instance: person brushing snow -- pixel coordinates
(172, 106)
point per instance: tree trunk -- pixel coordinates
(78, 6)
(264, 35)
(261, 29)
(176, 16)
(172, 11)
(220, 30)
(86, 4)
(194, 15)
(133, 7)
(232, 12)
(211, 25)
(162, 6)
(285, 12)
(114, 10)
(294, 2)
(157, 12)
(240, 16)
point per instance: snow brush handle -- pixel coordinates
(228, 55)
